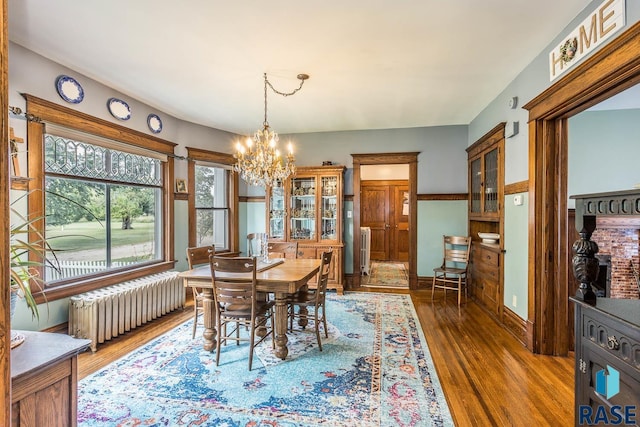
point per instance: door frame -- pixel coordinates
(411, 159)
(609, 71)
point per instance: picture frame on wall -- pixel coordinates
(181, 185)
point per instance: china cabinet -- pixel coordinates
(486, 196)
(307, 209)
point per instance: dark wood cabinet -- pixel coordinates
(607, 337)
(44, 380)
(486, 197)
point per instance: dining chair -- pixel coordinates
(452, 274)
(254, 243)
(287, 250)
(236, 302)
(198, 256)
(313, 299)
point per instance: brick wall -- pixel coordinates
(622, 245)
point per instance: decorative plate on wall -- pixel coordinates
(119, 109)
(154, 123)
(69, 89)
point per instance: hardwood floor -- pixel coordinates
(488, 377)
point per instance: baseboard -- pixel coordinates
(516, 325)
(61, 328)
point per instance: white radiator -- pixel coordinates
(365, 250)
(104, 314)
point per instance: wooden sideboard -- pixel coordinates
(607, 330)
(607, 337)
(44, 389)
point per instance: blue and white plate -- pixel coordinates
(69, 89)
(119, 109)
(154, 123)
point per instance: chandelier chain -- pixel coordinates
(259, 161)
(301, 77)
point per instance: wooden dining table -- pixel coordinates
(282, 277)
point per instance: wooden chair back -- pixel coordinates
(198, 255)
(234, 291)
(323, 278)
(288, 250)
(456, 251)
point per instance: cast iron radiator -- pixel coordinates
(104, 314)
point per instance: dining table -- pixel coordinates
(282, 277)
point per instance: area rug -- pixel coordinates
(387, 275)
(374, 370)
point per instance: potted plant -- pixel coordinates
(24, 269)
(28, 250)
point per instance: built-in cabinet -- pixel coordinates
(307, 209)
(486, 195)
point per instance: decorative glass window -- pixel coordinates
(103, 208)
(212, 207)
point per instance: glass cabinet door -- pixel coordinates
(329, 207)
(476, 186)
(303, 209)
(491, 181)
(276, 212)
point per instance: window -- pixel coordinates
(100, 193)
(211, 205)
(102, 208)
(213, 200)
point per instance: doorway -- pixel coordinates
(410, 234)
(385, 210)
(614, 68)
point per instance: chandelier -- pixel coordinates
(259, 160)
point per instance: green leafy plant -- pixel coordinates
(24, 269)
(30, 252)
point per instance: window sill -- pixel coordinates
(88, 284)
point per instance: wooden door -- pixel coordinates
(374, 213)
(399, 244)
(385, 209)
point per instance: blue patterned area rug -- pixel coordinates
(375, 370)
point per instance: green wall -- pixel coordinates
(516, 256)
(435, 219)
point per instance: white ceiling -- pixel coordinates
(373, 64)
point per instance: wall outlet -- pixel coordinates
(514, 301)
(517, 200)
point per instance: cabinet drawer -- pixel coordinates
(616, 339)
(489, 271)
(485, 256)
(489, 288)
